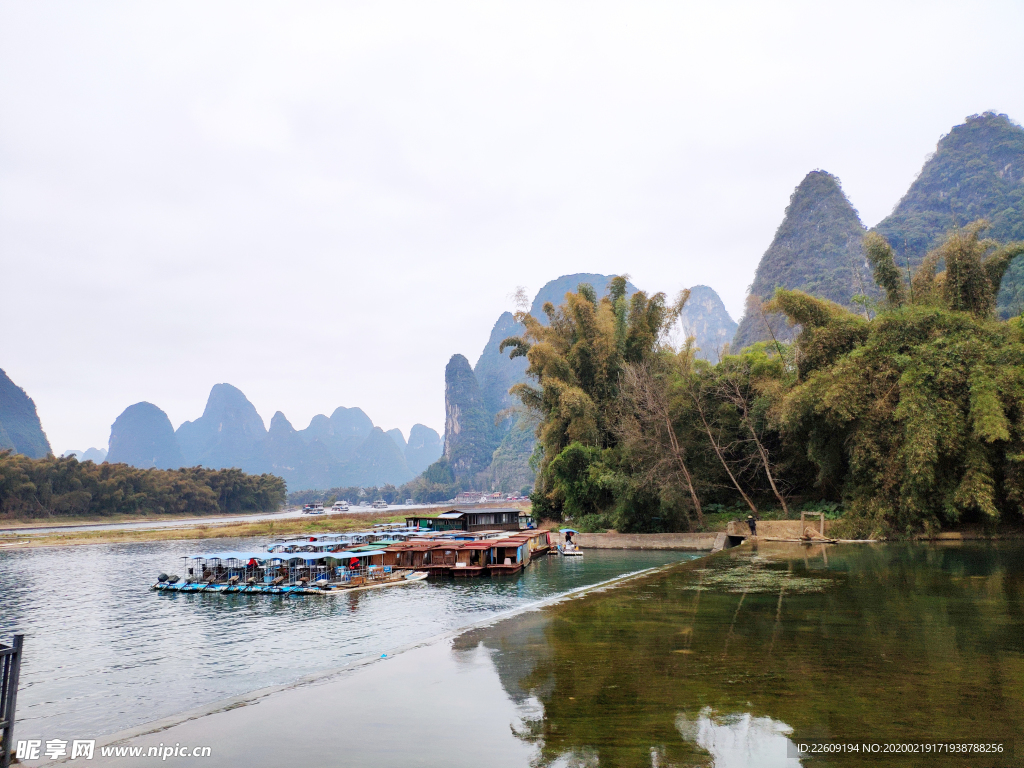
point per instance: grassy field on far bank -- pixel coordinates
(218, 528)
(292, 526)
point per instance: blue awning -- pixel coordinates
(233, 556)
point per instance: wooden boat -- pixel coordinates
(389, 555)
(508, 556)
(441, 557)
(539, 542)
(472, 559)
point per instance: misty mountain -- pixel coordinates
(469, 432)
(705, 318)
(302, 462)
(377, 462)
(344, 449)
(342, 433)
(555, 290)
(396, 435)
(230, 433)
(424, 448)
(20, 428)
(494, 372)
(95, 455)
(817, 248)
(977, 171)
(143, 437)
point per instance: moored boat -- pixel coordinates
(283, 573)
(509, 555)
(569, 548)
(389, 554)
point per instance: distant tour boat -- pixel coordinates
(313, 509)
(339, 506)
(380, 504)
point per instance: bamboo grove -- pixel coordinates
(907, 416)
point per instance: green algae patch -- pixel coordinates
(754, 578)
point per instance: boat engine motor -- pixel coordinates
(162, 578)
(173, 578)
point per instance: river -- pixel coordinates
(103, 652)
(730, 661)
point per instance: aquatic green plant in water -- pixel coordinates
(760, 575)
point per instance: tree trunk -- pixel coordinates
(741, 401)
(721, 458)
(686, 472)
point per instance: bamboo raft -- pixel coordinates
(396, 579)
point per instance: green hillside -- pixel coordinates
(817, 248)
(977, 172)
(20, 428)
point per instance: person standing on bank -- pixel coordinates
(752, 524)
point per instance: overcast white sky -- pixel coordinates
(321, 202)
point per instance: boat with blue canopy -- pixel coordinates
(287, 573)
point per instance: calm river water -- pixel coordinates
(104, 653)
(726, 661)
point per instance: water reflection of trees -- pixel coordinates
(904, 642)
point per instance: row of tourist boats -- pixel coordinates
(332, 563)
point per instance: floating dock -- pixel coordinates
(385, 556)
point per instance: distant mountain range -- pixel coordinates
(95, 455)
(976, 171)
(20, 429)
(345, 449)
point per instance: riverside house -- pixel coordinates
(506, 519)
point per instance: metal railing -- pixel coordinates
(10, 666)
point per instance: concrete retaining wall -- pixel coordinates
(692, 541)
(781, 529)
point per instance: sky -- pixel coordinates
(320, 203)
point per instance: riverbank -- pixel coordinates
(680, 541)
(293, 526)
(69, 531)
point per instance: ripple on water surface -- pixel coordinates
(104, 653)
